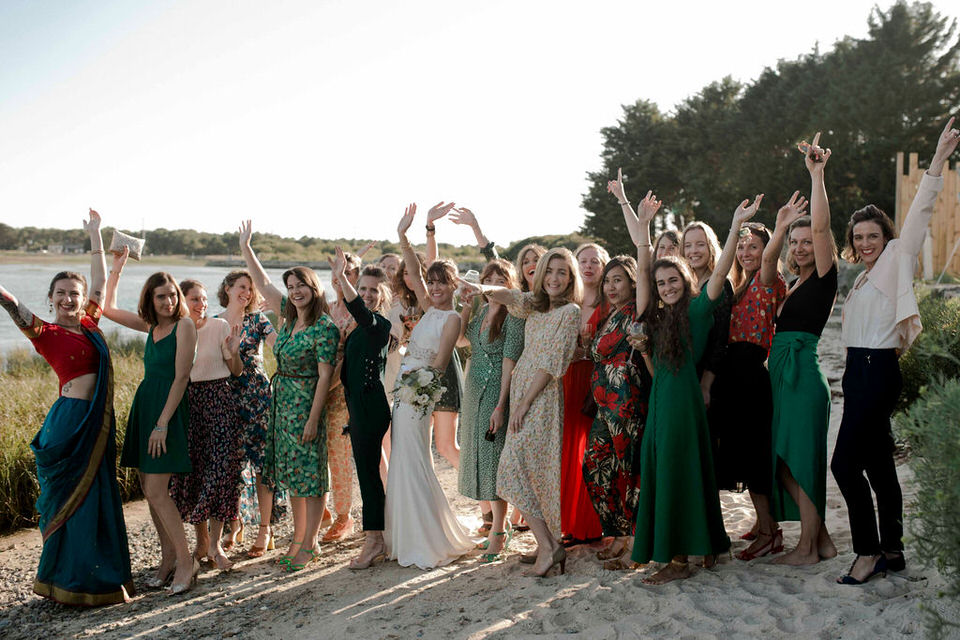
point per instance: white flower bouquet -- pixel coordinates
(420, 388)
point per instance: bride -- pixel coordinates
(421, 528)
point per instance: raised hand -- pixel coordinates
(93, 224)
(947, 143)
(338, 265)
(120, 259)
(648, 207)
(407, 219)
(246, 232)
(468, 288)
(233, 339)
(616, 187)
(463, 216)
(746, 210)
(365, 248)
(814, 156)
(793, 210)
(438, 210)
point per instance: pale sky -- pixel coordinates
(324, 118)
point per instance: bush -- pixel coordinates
(936, 352)
(930, 427)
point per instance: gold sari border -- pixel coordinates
(79, 599)
(35, 329)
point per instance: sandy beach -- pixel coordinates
(469, 600)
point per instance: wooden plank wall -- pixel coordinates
(945, 225)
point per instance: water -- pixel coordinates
(30, 282)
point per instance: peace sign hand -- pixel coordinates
(815, 157)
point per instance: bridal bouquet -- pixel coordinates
(420, 388)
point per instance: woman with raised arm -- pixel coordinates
(338, 440)
(529, 472)
(259, 503)
(421, 529)
(156, 439)
(495, 339)
(208, 496)
(487, 247)
(364, 356)
(306, 351)
(801, 396)
(76, 446)
(742, 403)
(678, 513)
(880, 322)
(578, 518)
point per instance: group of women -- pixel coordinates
(604, 398)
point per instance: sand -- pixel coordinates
(469, 600)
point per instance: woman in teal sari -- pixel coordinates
(85, 559)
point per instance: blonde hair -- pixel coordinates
(602, 256)
(712, 243)
(537, 251)
(573, 292)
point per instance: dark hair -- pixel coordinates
(388, 255)
(145, 308)
(869, 213)
(670, 234)
(537, 251)
(443, 271)
(383, 285)
(508, 272)
(186, 286)
(737, 275)
(405, 294)
(353, 263)
(629, 266)
(231, 279)
(68, 275)
(319, 305)
(669, 324)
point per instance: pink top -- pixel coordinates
(753, 316)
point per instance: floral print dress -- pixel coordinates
(299, 468)
(621, 387)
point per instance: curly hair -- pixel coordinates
(669, 323)
(231, 279)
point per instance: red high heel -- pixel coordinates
(774, 546)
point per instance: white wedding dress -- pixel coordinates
(421, 529)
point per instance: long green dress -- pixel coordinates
(479, 458)
(299, 468)
(159, 370)
(679, 509)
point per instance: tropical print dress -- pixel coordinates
(299, 468)
(621, 387)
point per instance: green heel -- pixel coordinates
(314, 556)
(285, 560)
(487, 558)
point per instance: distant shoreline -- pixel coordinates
(230, 262)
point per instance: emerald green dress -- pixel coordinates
(679, 508)
(159, 370)
(299, 468)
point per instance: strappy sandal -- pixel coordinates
(284, 560)
(314, 557)
(256, 551)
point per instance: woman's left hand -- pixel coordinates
(93, 224)
(437, 211)
(309, 432)
(232, 341)
(157, 444)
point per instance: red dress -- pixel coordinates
(578, 518)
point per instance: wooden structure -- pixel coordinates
(945, 225)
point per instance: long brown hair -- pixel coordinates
(537, 251)
(505, 270)
(145, 308)
(573, 292)
(738, 276)
(401, 291)
(318, 306)
(669, 324)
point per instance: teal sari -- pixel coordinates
(85, 559)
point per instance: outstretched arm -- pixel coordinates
(816, 158)
(338, 268)
(98, 262)
(272, 296)
(411, 264)
(788, 213)
(467, 217)
(946, 145)
(21, 316)
(436, 212)
(638, 225)
(743, 213)
(110, 309)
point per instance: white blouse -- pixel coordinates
(210, 362)
(869, 317)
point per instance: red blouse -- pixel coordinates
(753, 316)
(70, 354)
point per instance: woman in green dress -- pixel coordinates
(156, 438)
(496, 342)
(306, 351)
(679, 510)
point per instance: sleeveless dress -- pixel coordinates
(421, 529)
(159, 368)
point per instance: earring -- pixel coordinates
(659, 304)
(51, 307)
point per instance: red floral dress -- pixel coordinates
(621, 387)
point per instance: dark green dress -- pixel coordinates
(679, 509)
(159, 370)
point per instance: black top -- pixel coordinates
(365, 351)
(808, 308)
(713, 355)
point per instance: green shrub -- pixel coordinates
(936, 351)
(931, 428)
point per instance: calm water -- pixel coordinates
(30, 282)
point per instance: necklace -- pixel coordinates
(68, 326)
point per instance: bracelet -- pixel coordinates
(431, 228)
(100, 251)
(643, 244)
(623, 202)
(116, 271)
(160, 429)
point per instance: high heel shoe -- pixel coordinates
(487, 558)
(484, 528)
(879, 568)
(156, 582)
(256, 551)
(559, 558)
(508, 531)
(774, 546)
(341, 528)
(897, 563)
(179, 587)
(314, 557)
(284, 560)
(359, 565)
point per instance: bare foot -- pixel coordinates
(709, 562)
(220, 559)
(672, 571)
(797, 558)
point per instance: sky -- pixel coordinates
(325, 118)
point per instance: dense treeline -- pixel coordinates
(891, 91)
